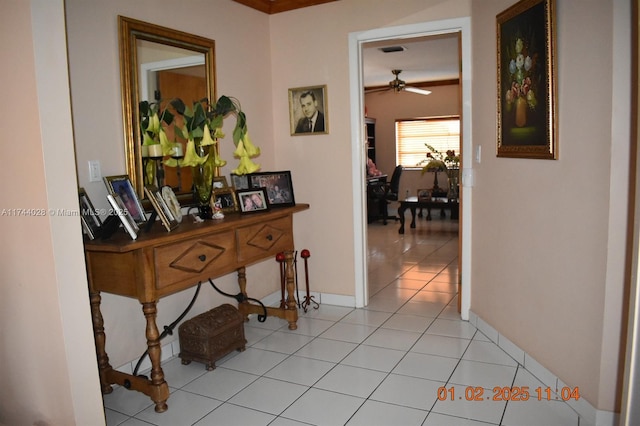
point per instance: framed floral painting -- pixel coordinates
(526, 122)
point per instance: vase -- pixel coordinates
(203, 185)
(521, 112)
(453, 175)
(149, 167)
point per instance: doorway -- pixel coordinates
(356, 42)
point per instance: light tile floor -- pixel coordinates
(383, 365)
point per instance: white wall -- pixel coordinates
(539, 274)
(542, 235)
(49, 374)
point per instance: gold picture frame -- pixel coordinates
(526, 111)
(224, 199)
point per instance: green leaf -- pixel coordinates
(224, 106)
(178, 105)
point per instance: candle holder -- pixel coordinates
(159, 171)
(178, 174)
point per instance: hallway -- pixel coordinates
(382, 365)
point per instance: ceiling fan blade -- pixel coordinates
(417, 90)
(379, 89)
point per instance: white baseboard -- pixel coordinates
(584, 409)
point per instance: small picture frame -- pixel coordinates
(424, 195)
(252, 200)
(240, 181)
(91, 222)
(224, 200)
(278, 185)
(121, 211)
(220, 182)
(308, 113)
(151, 191)
(121, 185)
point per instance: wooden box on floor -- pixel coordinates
(211, 335)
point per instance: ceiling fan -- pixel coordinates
(398, 85)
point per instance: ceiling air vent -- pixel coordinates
(390, 49)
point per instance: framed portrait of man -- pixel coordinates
(308, 113)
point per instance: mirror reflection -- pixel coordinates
(157, 65)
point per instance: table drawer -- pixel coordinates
(195, 259)
(264, 239)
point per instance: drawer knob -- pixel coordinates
(269, 237)
(202, 257)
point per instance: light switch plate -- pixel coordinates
(95, 175)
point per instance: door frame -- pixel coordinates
(358, 146)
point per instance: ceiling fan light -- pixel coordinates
(417, 90)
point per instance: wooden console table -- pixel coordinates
(161, 263)
(412, 203)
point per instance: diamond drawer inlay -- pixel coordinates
(265, 238)
(197, 257)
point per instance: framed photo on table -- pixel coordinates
(225, 200)
(278, 186)
(252, 200)
(121, 185)
(308, 113)
(526, 122)
(122, 212)
(91, 222)
(240, 181)
(155, 198)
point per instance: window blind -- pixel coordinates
(411, 136)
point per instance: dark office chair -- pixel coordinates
(391, 194)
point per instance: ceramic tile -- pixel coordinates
(534, 413)
(350, 380)
(221, 383)
(433, 344)
(234, 415)
(300, 370)
(380, 413)
(326, 349)
(320, 407)
(425, 309)
(452, 328)
(437, 419)
(354, 333)
(367, 317)
(392, 339)
(405, 322)
(311, 326)
(184, 408)
(255, 361)
(488, 352)
(283, 342)
(488, 411)
(269, 395)
(472, 373)
(374, 358)
(407, 391)
(426, 366)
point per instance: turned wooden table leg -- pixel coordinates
(158, 384)
(98, 333)
(291, 288)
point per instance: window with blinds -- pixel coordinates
(442, 133)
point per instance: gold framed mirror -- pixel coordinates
(158, 64)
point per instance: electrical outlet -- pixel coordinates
(94, 171)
